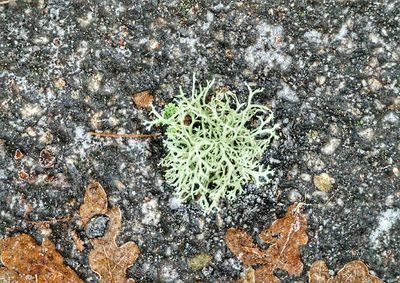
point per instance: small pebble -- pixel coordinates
(97, 226)
(323, 182)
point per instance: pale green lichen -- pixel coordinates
(214, 144)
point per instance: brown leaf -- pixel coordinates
(318, 272)
(241, 245)
(285, 236)
(143, 99)
(94, 202)
(26, 261)
(353, 272)
(108, 260)
(7, 275)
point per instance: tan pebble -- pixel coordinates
(395, 105)
(143, 99)
(330, 147)
(119, 185)
(46, 138)
(75, 94)
(59, 83)
(396, 171)
(323, 182)
(29, 110)
(374, 84)
(320, 80)
(95, 121)
(154, 44)
(113, 121)
(94, 82)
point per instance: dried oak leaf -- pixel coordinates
(26, 261)
(108, 260)
(143, 99)
(285, 236)
(94, 202)
(353, 272)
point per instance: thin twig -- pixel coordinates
(129, 136)
(5, 2)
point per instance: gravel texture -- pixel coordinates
(331, 73)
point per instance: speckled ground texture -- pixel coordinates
(331, 74)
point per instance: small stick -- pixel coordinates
(129, 136)
(4, 2)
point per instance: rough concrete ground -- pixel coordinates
(331, 74)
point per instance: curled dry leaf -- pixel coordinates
(353, 272)
(26, 261)
(285, 236)
(108, 260)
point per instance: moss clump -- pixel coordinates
(214, 144)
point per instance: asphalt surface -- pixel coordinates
(331, 75)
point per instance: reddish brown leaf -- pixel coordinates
(285, 236)
(94, 202)
(26, 261)
(353, 272)
(242, 246)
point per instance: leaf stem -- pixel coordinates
(129, 136)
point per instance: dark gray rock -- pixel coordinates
(97, 226)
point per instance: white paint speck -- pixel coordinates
(29, 110)
(313, 36)
(330, 146)
(287, 93)
(82, 141)
(151, 213)
(342, 33)
(268, 49)
(386, 220)
(175, 203)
